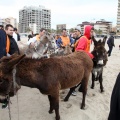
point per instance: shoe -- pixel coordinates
(74, 93)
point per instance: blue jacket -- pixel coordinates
(59, 41)
(3, 38)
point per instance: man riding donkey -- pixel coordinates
(8, 46)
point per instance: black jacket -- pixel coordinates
(115, 101)
(110, 41)
(3, 38)
(13, 46)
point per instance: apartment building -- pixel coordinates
(118, 16)
(104, 26)
(33, 18)
(9, 20)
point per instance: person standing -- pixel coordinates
(3, 38)
(64, 39)
(32, 41)
(16, 35)
(85, 41)
(77, 34)
(110, 43)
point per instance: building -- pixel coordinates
(118, 17)
(60, 26)
(104, 26)
(33, 18)
(9, 20)
(84, 24)
(13, 22)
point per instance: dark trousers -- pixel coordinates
(114, 113)
(110, 50)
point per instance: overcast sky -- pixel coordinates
(70, 12)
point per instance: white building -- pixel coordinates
(118, 16)
(104, 26)
(34, 18)
(9, 20)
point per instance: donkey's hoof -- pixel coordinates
(102, 91)
(92, 87)
(58, 118)
(83, 107)
(50, 111)
(65, 100)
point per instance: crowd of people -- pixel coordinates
(78, 41)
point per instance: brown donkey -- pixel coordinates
(47, 75)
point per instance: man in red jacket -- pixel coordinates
(85, 41)
(84, 44)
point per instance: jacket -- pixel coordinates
(3, 38)
(64, 41)
(110, 41)
(84, 41)
(13, 46)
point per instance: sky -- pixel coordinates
(69, 12)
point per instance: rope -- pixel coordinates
(18, 106)
(9, 107)
(14, 79)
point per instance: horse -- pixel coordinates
(49, 76)
(99, 61)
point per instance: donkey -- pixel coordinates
(48, 75)
(46, 48)
(99, 61)
(46, 43)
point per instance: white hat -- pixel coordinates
(78, 28)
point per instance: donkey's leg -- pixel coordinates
(69, 93)
(93, 81)
(84, 88)
(51, 104)
(101, 80)
(55, 100)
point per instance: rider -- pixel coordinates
(32, 41)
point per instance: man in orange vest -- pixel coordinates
(64, 39)
(32, 41)
(12, 46)
(85, 41)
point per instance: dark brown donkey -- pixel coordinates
(99, 61)
(47, 75)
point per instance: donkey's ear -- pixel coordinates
(94, 40)
(13, 62)
(104, 40)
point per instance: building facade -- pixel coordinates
(33, 18)
(118, 17)
(9, 20)
(104, 26)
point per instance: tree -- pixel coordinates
(71, 30)
(28, 29)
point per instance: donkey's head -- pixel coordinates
(99, 52)
(7, 65)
